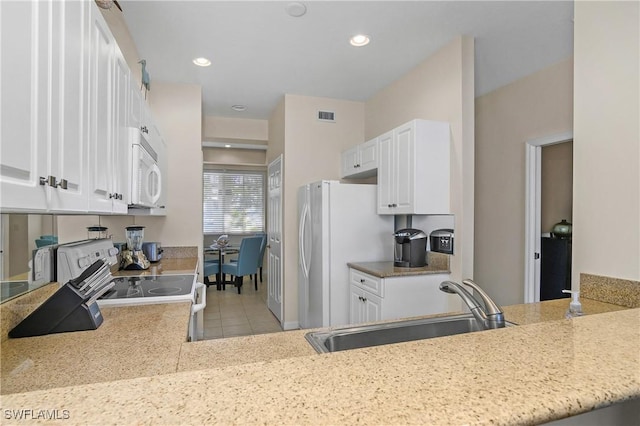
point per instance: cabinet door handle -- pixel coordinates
(364, 299)
(62, 184)
(49, 180)
(362, 280)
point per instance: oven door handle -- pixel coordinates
(197, 307)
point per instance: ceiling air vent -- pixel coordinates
(327, 116)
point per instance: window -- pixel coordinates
(233, 202)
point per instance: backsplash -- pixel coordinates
(179, 252)
(610, 290)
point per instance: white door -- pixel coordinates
(274, 231)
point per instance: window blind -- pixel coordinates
(233, 202)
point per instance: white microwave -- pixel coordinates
(145, 178)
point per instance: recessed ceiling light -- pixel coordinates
(202, 62)
(296, 9)
(239, 108)
(359, 40)
(227, 146)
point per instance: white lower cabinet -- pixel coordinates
(375, 299)
(365, 306)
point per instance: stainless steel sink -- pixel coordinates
(342, 339)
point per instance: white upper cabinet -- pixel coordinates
(121, 144)
(361, 160)
(43, 121)
(69, 105)
(23, 133)
(135, 103)
(386, 166)
(67, 102)
(101, 150)
(413, 170)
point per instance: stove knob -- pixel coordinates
(113, 251)
(84, 262)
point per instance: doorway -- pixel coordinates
(546, 198)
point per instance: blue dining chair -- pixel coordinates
(247, 263)
(211, 267)
(263, 247)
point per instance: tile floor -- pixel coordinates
(231, 314)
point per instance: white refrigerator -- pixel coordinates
(337, 224)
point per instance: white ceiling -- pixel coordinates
(259, 52)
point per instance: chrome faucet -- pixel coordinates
(490, 315)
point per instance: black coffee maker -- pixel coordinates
(411, 248)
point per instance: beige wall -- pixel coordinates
(532, 107)
(234, 156)
(606, 208)
(440, 88)
(556, 185)
(311, 152)
(235, 129)
(276, 133)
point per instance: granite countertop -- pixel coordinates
(546, 368)
(437, 263)
(119, 349)
(516, 375)
(133, 341)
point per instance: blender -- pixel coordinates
(133, 257)
(96, 232)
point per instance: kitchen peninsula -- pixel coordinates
(547, 368)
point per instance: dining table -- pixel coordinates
(220, 251)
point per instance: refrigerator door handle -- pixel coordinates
(301, 237)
